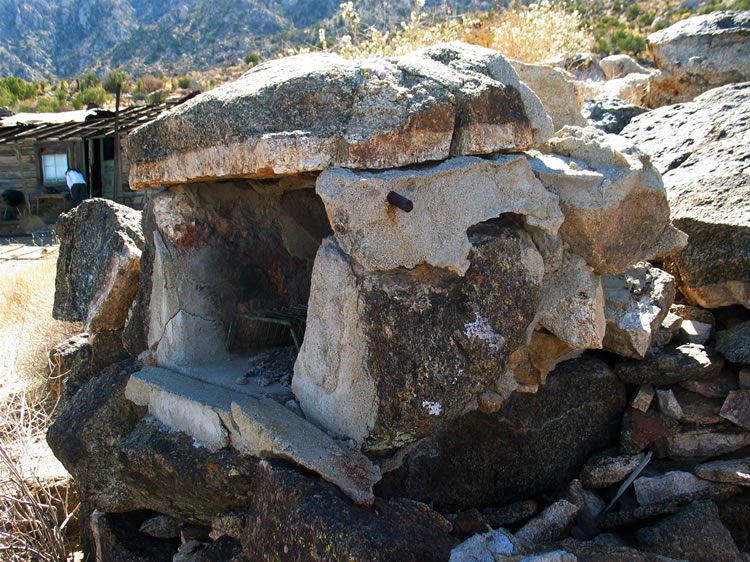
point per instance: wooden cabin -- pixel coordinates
(37, 149)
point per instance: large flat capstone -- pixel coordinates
(317, 111)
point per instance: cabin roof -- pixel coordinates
(71, 125)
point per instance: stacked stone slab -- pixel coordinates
(411, 315)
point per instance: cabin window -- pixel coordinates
(54, 167)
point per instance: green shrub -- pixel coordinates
(95, 95)
(633, 11)
(252, 59)
(627, 42)
(18, 88)
(183, 82)
(740, 5)
(157, 97)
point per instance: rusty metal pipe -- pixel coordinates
(399, 201)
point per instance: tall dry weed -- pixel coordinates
(37, 506)
(527, 33)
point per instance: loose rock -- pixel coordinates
(672, 365)
(485, 547)
(733, 471)
(618, 66)
(697, 54)
(736, 408)
(604, 471)
(97, 274)
(701, 148)
(551, 524)
(734, 344)
(604, 183)
(695, 533)
(679, 487)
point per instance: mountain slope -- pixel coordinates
(66, 38)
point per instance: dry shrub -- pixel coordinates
(35, 510)
(151, 83)
(528, 33)
(539, 32)
(27, 330)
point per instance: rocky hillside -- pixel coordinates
(61, 38)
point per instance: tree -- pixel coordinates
(115, 82)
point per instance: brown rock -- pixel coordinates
(732, 471)
(604, 471)
(317, 111)
(640, 429)
(532, 363)
(467, 523)
(643, 398)
(490, 402)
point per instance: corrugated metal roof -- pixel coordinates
(85, 124)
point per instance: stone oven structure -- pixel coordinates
(364, 269)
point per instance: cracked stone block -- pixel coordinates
(369, 371)
(612, 197)
(635, 304)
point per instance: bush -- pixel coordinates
(252, 59)
(88, 96)
(540, 31)
(157, 97)
(627, 42)
(150, 83)
(18, 88)
(740, 5)
(183, 82)
(633, 11)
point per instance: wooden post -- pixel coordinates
(24, 187)
(118, 179)
(90, 167)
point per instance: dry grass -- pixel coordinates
(531, 33)
(37, 498)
